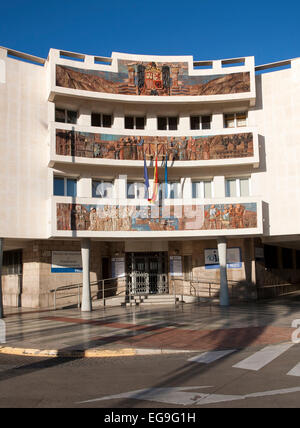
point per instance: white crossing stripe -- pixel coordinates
(295, 371)
(263, 357)
(210, 357)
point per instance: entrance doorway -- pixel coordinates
(147, 273)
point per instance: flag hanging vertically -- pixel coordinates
(166, 177)
(146, 179)
(155, 184)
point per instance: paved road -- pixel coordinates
(257, 377)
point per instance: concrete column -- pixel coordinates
(224, 292)
(1, 296)
(86, 289)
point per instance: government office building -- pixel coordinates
(176, 176)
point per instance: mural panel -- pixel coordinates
(122, 147)
(113, 218)
(151, 78)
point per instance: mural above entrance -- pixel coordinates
(124, 147)
(151, 79)
(112, 218)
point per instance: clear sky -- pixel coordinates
(206, 29)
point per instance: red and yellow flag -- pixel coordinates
(155, 185)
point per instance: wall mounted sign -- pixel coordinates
(66, 262)
(118, 267)
(175, 265)
(234, 258)
(259, 253)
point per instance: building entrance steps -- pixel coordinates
(136, 330)
(152, 300)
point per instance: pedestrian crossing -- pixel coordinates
(263, 357)
(254, 362)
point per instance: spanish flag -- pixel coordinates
(155, 186)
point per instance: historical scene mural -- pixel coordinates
(151, 78)
(122, 147)
(101, 217)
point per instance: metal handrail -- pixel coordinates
(79, 285)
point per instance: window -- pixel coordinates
(236, 187)
(102, 189)
(132, 122)
(200, 122)
(167, 123)
(271, 256)
(66, 116)
(202, 189)
(287, 258)
(63, 186)
(235, 120)
(241, 119)
(136, 190)
(174, 190)
(101, 120)
(12, 263)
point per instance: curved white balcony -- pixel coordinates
(78, 145)
(151, 79)
(123, 219)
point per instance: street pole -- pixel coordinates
(1, 261)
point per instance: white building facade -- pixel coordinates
(218, 140)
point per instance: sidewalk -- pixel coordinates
(119, 331)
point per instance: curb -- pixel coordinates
(91, 353)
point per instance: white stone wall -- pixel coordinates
(277, 180)
(23, 148)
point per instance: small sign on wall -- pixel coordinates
(117, 267)
(234, 258)
(175, 265)
(66, 262)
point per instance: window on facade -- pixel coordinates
(132, 122)
(236, 187)
(202, 189)
(136, 190)
(200, 122)
(241, 119)
(66, 116)
(174, 190)
(102, 189)
(297, 259)
(271, 256)
(101, 120)
(205, 122)
(167, 123)
(63, 186)
(235, 120)
(287, 258)
(12, 263)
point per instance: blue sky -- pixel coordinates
(206, 29)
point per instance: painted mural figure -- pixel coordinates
(93, 219)
(151, 79)
(124, 147)
(131, 218)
